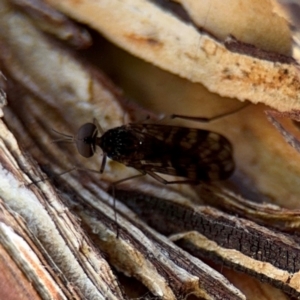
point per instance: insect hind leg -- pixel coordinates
(211, 119)
(164, 181)
(142, 173)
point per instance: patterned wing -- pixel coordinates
(195, 154)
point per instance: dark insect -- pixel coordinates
(194, 154)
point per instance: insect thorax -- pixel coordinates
(119, 143)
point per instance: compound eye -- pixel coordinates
(85, 139)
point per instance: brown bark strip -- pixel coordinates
(194, 278)
(195, 250)
(285, 220)
(247, 49)
(262, 246)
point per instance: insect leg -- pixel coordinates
(164, 181)
(103, 163)
(100, 129)
(112, 187)
(143, 173)
(50, 178)
(207, 120)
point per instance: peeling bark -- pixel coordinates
(64, 237)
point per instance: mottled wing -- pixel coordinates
(195, 154)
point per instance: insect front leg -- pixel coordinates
(113, 186)
(97, 124)
(103, 163)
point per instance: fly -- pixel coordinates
(194, 154)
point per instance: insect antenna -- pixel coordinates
(64, 137)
